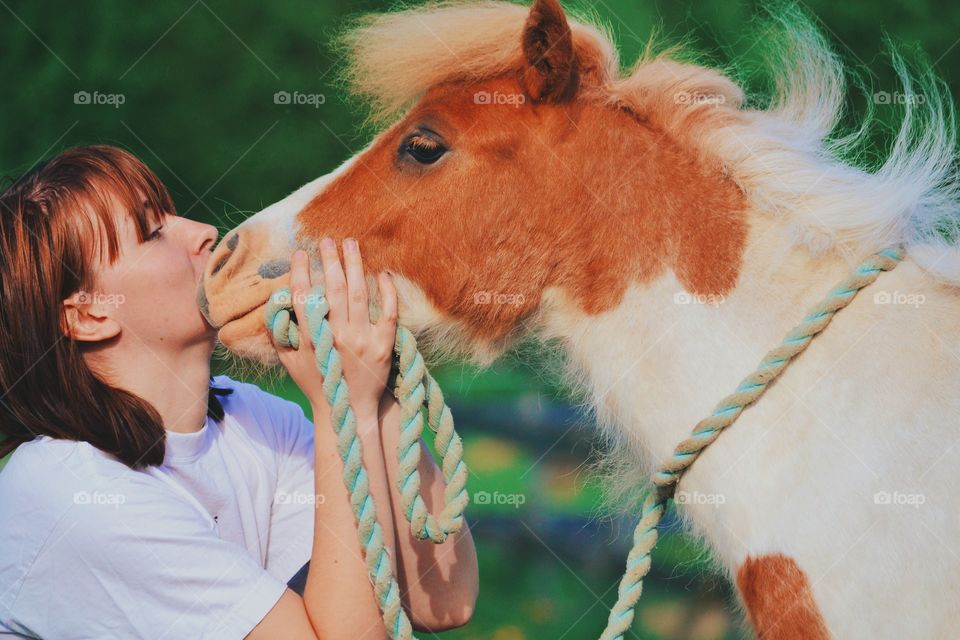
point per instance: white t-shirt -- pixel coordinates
(200, 547)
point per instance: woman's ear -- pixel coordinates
(85, 320)
(550, 64)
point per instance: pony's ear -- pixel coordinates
(550, 66)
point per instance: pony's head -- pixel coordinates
(518, 161)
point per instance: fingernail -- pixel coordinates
(327, 243)
(350, 244)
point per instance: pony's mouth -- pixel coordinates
(245, 334)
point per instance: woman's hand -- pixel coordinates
(365, 349)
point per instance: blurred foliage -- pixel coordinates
(198, 79)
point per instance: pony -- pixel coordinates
(660, 231)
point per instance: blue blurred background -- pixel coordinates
(194, 83)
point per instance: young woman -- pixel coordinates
(145, 498)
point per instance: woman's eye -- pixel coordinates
(156, 234)
(423, 149)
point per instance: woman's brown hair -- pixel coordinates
(55, 222)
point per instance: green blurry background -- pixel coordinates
(197, 81)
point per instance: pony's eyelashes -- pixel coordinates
(423, 147)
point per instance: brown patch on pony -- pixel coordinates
(779, 599)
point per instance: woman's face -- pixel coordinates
(151, 289)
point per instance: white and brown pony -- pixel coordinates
(663, 236)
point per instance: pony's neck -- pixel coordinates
(661, 360)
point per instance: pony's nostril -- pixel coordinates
(223, 252)
(220, 263)
(274, 268)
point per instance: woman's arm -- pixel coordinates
(338, 601)
(438, 582)
(339, 597)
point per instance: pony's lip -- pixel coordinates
(241, 317)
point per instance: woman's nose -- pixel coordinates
(206, 238)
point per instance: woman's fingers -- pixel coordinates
(334, 282)
(388, 300)
(356, 284)
(299, 290)
(388, 307)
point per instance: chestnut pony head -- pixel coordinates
(517, 161)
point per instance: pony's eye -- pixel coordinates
(423, 149)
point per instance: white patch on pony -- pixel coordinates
(439, 336)
(844, 464)
(279, 220)
(941, 260)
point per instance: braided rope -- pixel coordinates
(726, 412)
(413, 387)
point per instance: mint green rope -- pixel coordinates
(413, 387)
(726, 412)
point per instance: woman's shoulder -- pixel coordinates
(47, 471)
(48, 477)
(264, 415)
(252, 395)
(57, 491)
